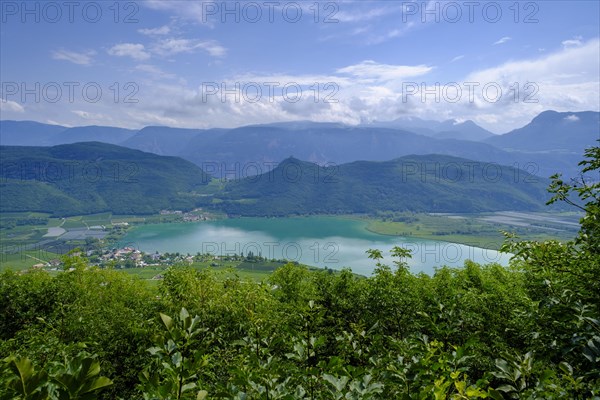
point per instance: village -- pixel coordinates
(128, 258)
(187, 216)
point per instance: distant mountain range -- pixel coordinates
(552, 142)
(94, 177)
(30, 133)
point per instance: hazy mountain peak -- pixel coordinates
(554, 131)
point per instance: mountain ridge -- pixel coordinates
(430, 183)
(542, 145)
(93, 177)
(553, 131)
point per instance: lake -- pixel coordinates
(332, 242)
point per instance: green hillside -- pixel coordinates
(414, 183)
(93, 177)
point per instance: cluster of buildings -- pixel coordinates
(129, 257)
(52, 264)
(192, 216)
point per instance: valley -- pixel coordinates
(92, 194)
(287, 200)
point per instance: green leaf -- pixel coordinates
(494, 394)
(183, 314)
(168, 321)
(337, 383)
(506, 388)
(188, 386)
(566, 368)
(202, 395)
(98, 383)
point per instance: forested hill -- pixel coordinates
(94, 177)
(431, 183)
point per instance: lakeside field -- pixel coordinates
(481, 230)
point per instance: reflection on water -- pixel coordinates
(321, 241)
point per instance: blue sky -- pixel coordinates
(164, 62)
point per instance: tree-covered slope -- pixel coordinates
(414, 183)
(94, 177)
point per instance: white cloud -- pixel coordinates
(167, 47)
(502, 40)
(163, 30)
(360, 30)
(566, 79)
(575, 42)
(360, 15)
(154, 71)
(572, 117)
(364, 89)
(370, 70)
(53, 122)
(561, 67)
(213, 48)
(208, 13)
(134, 50)
(11, 106)
(190, 10)
(368, 35)
(84, 58)
(563, 80)
(91, 116)
(400, 15)
(457, 58)
(282, 79)
(390, 34)
(82, 114)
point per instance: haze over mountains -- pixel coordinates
(552, 142)
(552, 131)
(449, 129)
